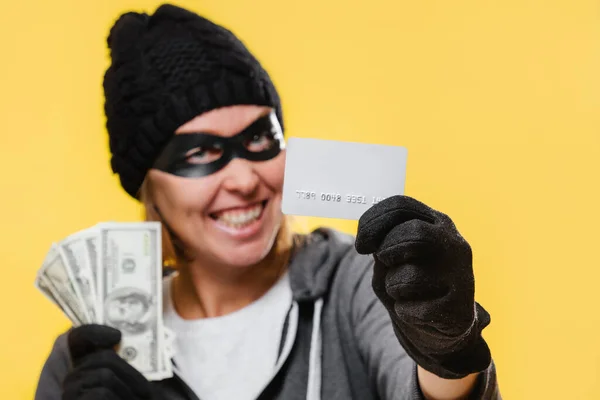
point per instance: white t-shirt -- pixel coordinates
(233, 356)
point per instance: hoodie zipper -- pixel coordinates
(287, 347)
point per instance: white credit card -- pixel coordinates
(335, 179)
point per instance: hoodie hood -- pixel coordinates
(315, 262)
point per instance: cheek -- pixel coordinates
(273, 172)
(178, 197)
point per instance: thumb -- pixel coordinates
(86, 339)
(375, 224)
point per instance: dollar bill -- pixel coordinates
(91, 244)
(60, 281)
(169, 342)
(45, 286)
(129, 288)
(75, 249)
(169, 353)
(111, 274)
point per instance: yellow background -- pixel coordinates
(498, 103)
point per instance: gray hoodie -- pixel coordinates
(337, 344)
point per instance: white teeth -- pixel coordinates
(236, 219)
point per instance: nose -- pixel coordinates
(241, 177)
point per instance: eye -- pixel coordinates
(260, 142)
(203, 155)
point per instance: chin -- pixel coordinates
(247, 254)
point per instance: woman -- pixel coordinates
(196, 134)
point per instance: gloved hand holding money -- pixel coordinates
(111, 274)
(98, 373)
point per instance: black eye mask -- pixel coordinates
(194, 155)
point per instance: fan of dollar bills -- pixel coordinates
(111, 274)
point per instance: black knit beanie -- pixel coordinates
(166, 69)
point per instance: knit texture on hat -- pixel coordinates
(166, 69)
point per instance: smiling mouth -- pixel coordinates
(240, 217)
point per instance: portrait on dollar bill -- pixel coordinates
(130, 310)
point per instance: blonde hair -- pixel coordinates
(174, 253)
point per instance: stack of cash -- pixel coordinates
(111, 274)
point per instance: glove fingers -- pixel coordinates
(428, 338)
(377, 221)
(483, 317)
(98, 393)
(109, 359)
(406, 284)
(442, 310)
(411, 283)
(101, 381)
(87, 339)
(378, 283)
(412, 240)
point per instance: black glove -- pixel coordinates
(424, 277)
(99, 373)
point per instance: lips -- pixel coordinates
(239, 217)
